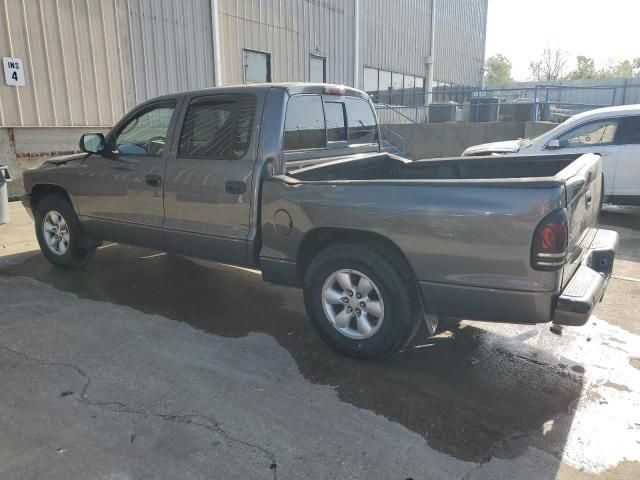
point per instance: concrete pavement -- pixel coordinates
(147, 365)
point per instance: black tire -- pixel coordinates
(80, 249)
(402, 312)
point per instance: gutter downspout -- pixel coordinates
(356, 44)
(215, 37)
(430, 59)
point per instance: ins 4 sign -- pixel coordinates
(13, 71)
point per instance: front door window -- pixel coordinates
(146, 133)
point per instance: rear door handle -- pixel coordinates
(153, 180)
(587, 198)
(236, 187)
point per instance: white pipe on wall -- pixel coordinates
(215, 35)
(431, 59)
(356, 44)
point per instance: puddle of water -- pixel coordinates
(525, 382)
(605, 430)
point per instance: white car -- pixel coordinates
(612, 132)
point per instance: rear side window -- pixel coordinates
(362, 122)
(630, 131)
(304, 126)
(218, 127)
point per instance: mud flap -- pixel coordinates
(431, 321)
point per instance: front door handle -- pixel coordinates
(235, 186)
(153, 180)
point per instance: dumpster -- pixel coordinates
(4, 194)
(484, 109)
(441, 112)
(521, 111)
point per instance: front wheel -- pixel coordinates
(59, 233)
(360, 301)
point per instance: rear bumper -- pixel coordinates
(587, 286)
(572, 306)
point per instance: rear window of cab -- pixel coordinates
(312, 122)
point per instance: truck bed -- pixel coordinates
(384, 166)
(464, 225)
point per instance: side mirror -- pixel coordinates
(553, 144)
(92, 142)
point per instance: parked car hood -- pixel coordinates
(508, 146)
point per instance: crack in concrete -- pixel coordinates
(199, 420)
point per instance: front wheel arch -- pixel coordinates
(41, 190)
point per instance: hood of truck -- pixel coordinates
(64, 159)
(508, 146)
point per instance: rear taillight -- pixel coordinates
(550, 242)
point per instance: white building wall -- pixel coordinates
(395, 35)
(74, 74)
(460, 41)
(290, 30)
(171, 46)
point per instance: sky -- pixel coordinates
(606, 30)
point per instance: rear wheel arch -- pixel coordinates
(396, 318)
(318, 239)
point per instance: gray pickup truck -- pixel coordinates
(291, 179)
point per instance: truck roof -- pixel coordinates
(291, 87)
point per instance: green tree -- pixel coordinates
(550, 65)
(497, 70)
(624, 68)
(586, 69)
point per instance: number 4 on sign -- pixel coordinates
(13, 71)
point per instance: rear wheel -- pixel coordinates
(360, 301)
(59, 233)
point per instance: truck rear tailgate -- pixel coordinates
(584, 197)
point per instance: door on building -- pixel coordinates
(121, 194)
(257, 66)
(627, 181)
(317, 69)
(209, 178)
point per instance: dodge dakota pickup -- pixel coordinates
(291, 179)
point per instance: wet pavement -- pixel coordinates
(180, 368)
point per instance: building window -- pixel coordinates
(451, 92)
(371, 83)
(257, 66)
(317, 69)
(393, 88)
(385, 86)
(409, 90)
